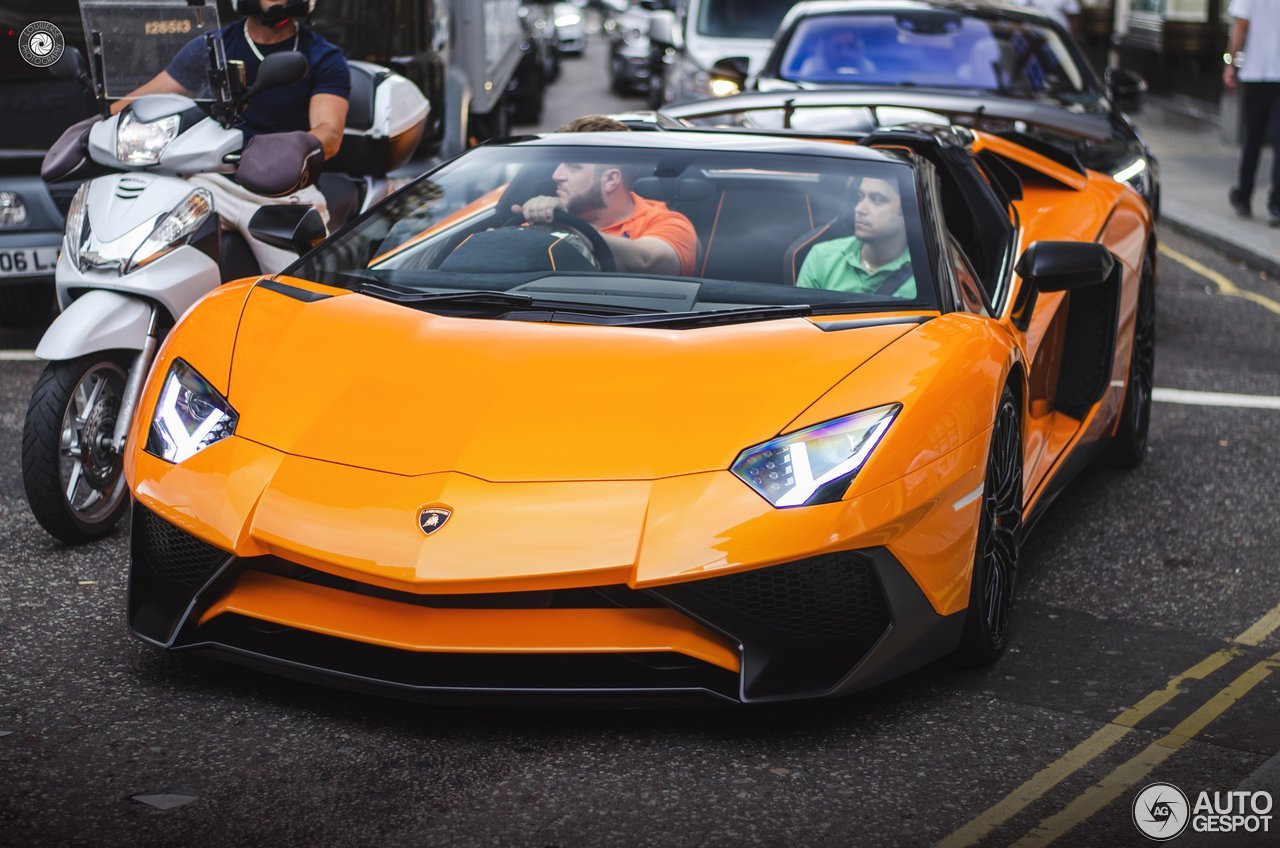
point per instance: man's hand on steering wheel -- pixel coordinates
(539, 210)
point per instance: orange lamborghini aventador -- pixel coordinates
(730, 416)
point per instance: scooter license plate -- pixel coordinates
(27, 261)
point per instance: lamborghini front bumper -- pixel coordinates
(822, 625)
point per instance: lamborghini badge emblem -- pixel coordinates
(431, 520)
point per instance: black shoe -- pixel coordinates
(1239, 203)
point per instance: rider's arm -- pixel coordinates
(161, 83)
(328, 117)
(649, 255)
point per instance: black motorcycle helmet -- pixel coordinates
(279, 14)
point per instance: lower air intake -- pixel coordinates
(172, 553)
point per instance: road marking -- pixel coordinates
(1108, 735)
(1215, 399)
(18, 356)
(1081, 755)
(1258, 632)
(1136, 769)
(1225, 286)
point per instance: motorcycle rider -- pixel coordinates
(316, 105)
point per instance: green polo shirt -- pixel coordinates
(837, 265)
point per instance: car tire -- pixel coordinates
(995, 563)
(63, 451)
(1129, 445)
(617, 81)
(656, 83)
(526, 108)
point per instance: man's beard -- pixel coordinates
(589, 201)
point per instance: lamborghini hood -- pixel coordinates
(365, 383)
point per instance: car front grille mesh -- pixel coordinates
(835, 596)
(173, 553)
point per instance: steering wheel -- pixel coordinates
(601, 249)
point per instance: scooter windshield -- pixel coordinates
(136, 39)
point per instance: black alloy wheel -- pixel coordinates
(1129, 446)
(995, 567)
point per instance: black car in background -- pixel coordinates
(993, 66)
(631, 60)
(35, 107)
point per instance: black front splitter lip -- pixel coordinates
(522, 698)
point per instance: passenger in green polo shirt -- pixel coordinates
(875, 259)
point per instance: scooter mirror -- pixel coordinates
(276, 70)
(72, 66)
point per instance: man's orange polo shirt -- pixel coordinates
(652, 219)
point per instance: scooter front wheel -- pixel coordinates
(73, 476)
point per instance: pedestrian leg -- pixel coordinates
(1253, 104)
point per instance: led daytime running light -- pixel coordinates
(814, 465)
(190, 416)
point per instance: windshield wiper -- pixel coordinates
(700, 319)
(496, 300)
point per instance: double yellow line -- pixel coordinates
(1225, 287)
(1136, 768)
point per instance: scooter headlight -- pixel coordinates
(77, 232)
(139, 143)
(190, 416)
(173, 230)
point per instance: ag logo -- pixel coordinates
(41, 44)
(1161, 811)
(431, 520)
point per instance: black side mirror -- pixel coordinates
(1125, 88)
(289, 227)
(732, 73)
(1054, 266)
(72, 66)
(276, 70)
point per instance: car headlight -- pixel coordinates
(141, 144)
(190, 416)
(1134, 175)
(814, 465)
(173, 230)
(13, 212)
(721, 87)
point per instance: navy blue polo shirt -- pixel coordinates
(283, 109)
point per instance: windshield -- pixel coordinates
(742, 18)
(936, 48)
(141, 37)
(738, 231)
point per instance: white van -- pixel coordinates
(700, 33)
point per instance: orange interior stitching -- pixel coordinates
(706, 257)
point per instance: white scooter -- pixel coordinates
(143, 245)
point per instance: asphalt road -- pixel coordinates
(1131, 580)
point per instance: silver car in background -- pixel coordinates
(698, 34)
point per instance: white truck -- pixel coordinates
(461, 53)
